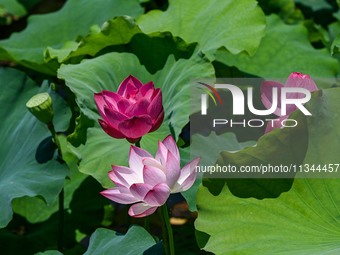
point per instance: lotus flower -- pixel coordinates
(132, 112)
(297, 80)
(148, 182)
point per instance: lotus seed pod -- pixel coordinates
(40, 106)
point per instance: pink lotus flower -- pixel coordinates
(132, 112)
(295, 79)
(148, 182)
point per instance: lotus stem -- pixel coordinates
(61, 221)
(168, 239)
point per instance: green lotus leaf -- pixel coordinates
(235, 25)
(284, 49)
(301, 220)
(21, 133)
(54, 29)
(134, 242)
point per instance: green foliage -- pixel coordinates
(50, 253)
(323, 129)
(336, 45)
(287, 146)
(117, 31)
(21, 133)
(10, 10)
(216, 144)
(208, 150)
(55, 29)
(283, 50)
(104, 241)
(300, 221)
(89, 46)
(286, 9)
(315, 4)
(35, 210)
(236, 25)
(34, 238)
(306, 200)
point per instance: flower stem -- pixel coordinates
(61, 221)
(147, 223)
(51, 128)
(60, 240)
(168, 239)
(137, 144)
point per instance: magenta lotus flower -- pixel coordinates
(297, 80)
(148, 182)
(132, 112)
